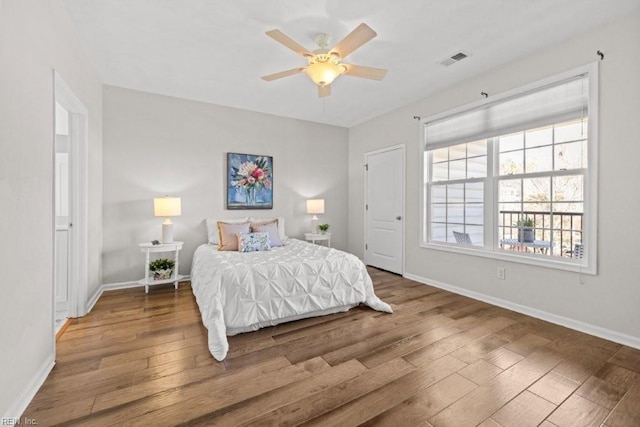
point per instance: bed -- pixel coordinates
(241, 292)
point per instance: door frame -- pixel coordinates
(78, 192)
(401, 147)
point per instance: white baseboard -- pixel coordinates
(577, 325)
(16, 410)
(121, 285)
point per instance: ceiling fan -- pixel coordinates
(324, 65)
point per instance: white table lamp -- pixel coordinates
(167, 207)
(315, 207)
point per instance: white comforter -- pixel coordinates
(240, 292)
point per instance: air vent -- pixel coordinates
(454, 58)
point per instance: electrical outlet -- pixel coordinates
(501, 273)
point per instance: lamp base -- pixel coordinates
(314, 225)
(167, 232)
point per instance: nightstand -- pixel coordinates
(147, 249)
(317, 237)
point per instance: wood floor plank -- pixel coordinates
(601, 392)
(447, 345)
(415, 343)
(425, 403)
(136, 391)
(503, 358)
(204, 396)
(252, 409)
(60, 413)
(384, 339)
(440, 360)
(334, 397)
(481, 403)
(554, 388)
(626, 413)
(628, 358)
(577, 411)
(480, 372)
(525, 410)
(389, 395)
(180, 345)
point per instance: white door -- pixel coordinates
(61, 192)
(384, 209)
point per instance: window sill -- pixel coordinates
(537, 260)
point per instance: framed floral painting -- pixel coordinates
(249, 181)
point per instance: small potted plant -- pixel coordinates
(525, 229)
(323, 228)
(162, 268)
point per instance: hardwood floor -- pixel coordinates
(440, 360)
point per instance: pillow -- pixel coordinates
(253, 242)
(282, 235)
(271, 228)
(228, 235)
(212, 227)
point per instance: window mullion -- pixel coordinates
(490, 188)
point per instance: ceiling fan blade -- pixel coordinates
(282, 38)
(282, 74)
(356, 38)
(364, 72)
(324, 91)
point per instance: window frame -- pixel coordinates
(588, 263)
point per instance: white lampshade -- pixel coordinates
(166, 207)
(315, 206)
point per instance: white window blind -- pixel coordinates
(562, 101)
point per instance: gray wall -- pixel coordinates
(35, 38)
(609, 300)
(156, 145)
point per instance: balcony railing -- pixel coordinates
(562, 229)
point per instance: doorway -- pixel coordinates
(384, 209)
(61, 193)
(70, 229)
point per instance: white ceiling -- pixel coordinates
(215, 51)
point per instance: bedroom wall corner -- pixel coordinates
(36, 38)
(607, 301)
(156, 145)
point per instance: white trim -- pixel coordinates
(79, 210)
(402, 147)
(120, 285)
(577, 325)
(591, 179)
(18, 407)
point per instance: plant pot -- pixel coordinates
(162, 274)
(526, 235)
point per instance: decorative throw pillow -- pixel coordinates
(212, 227)
(271, 228)
(228, 235)
(281, 232)
(252, 242)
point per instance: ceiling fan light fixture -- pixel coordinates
(323, 73)
(324, 64)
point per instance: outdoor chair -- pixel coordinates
(462, 238)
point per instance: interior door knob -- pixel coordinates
(398, 217)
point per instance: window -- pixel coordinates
(514, 178)
(457, 193)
